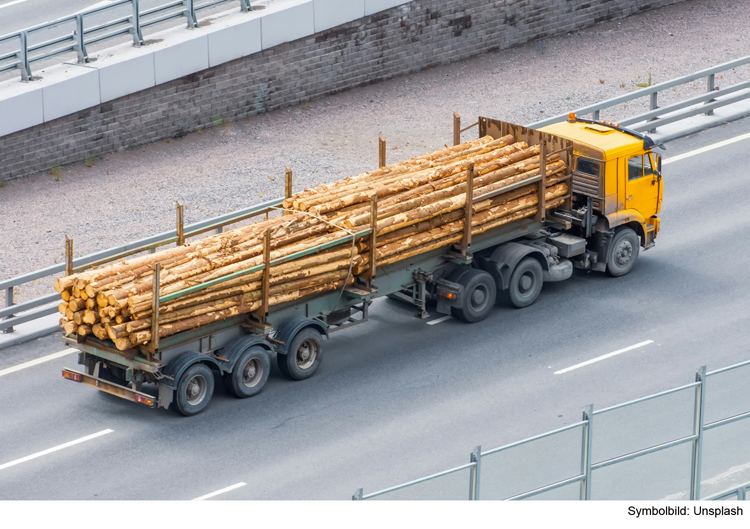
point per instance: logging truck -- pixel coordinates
(605, 215)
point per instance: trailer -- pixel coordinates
(511, 261)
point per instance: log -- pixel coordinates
(90, 317)
(62, 308)
(70, 327)
(99, 331)
(65, 295)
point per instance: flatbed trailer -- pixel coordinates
(511, 260)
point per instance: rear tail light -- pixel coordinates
(148, 401)
(71, 375)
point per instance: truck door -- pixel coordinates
(642, 186)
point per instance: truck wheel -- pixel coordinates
(525, 283)
(623, 252)
(194, 390)
(250, 373)
(478, 295)
(304, 355)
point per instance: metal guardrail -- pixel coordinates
(82, 36)
(658, 116)
(587, 465)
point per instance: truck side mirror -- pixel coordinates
(658, 163)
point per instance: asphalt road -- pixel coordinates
(398, 399)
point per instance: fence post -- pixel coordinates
(653, 106)
(698, 419)
(456, 129)
(23, 55)
(136, 23)
(475, 476)
(588, 416)
(8, 303)
(710, 86)
(190, 13)
(80, 44)
(357, 495)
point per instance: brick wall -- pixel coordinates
(402, 40)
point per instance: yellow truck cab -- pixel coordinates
(617, 178)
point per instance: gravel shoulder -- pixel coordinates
(131, 194)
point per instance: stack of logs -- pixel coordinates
(420, 207)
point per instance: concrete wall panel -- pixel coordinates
(234, 41)
(179, 59)
(332, 13)
(122, 75)
(68, 88)
(294, 21)
(21, 107)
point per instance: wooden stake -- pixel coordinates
(456, 129)
(68, 255)
(468, 210)
(180, 224)
(155, 308)
(381, 150)
(541, 214)
(373, 234)
(288, 190)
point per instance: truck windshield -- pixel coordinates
(588, 167)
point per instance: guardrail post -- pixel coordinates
(456, 129)
(381, 152)
(741, 493)
(135, 21)
(653, 106)
(9, 303)
(698, 419)
(468, 210)
(288, 187)
(23, 56)
(357, 496)
(710, 87)
(596, 115)
(189, 12)
(245, 5)
(219, 230)
(475, 476)
(588, 416)
(80, 44)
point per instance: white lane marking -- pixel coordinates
(12, 3)
(94, 6)
(435, 322)
(36, 362)
(55, 449)
(222, 491)
(706, 149)
(603, 357)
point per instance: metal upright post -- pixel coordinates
(653, 106)
(468, 210)
(373, 235)
(541, 212)
(456, 129)
(68, 255)
(288, 187)
(9, 303)
(192, 22)
(136, 25)
(23, 55)
(80, 44)
(245, 5)
(588, 416)
(155, 287)
(698, 419)
(381, 152)
(266, 273)
(357, 495)
(710, 87)
(475, 476)
(219, 230)
(597, 115)
(180, 224)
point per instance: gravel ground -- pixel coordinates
(131, 194)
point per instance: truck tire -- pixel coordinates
(623, 252)
(304, 355)
(478, 295)
(250, 373)
(525, 283)
(194, 390)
